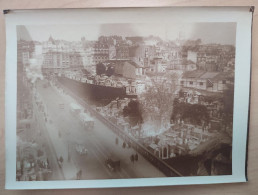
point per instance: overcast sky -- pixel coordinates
(223, 33)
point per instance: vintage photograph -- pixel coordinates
(124, 100)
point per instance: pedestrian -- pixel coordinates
(48, 164)
(136, 157)
(79, 174)
(61, 159)
(132, 158)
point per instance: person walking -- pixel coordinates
(132, 158)
(136, 157)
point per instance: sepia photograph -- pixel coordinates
(115, 101)
(101, 101)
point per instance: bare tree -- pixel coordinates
(157, 101)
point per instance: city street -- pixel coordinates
(66, 131)
(44, 140)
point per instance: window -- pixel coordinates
(224, 82)
(201, 83)
(191, 82)
(182, 82)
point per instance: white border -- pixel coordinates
(240, 15)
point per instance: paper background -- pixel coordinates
(134, 15)
(246, 188)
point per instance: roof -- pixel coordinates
(101, 45)
(133, 63)
(123, 62)
(202, 91)
(213, 76)
(51, 40)
(209, 75)
(193, 74)
(221, 76)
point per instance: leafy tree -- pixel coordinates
(132, 158)
(100, 69)
(228, 102)
(133, 111)
(136, 157)
(194, 113)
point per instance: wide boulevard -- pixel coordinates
(65, 131)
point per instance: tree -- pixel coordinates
(132, 110)
(136, 157)
(228, 102)
(157, 101)
(195, 113)
(132, 158)
(100, 69)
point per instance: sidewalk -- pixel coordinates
(61, 148)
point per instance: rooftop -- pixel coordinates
(213, 76)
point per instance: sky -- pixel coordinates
(222, 33)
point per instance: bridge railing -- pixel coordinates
(154, 160)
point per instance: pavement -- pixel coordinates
(43, 139)
(61, 149)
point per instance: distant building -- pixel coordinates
(127, 68)
(185, 65)
(100, 51)
(135, 40)
(142, 54)
(192, 56)
(207, 61)
(112, 52)
(156, 65)
(98, 58)
(214, 57)
(25, 50)
(208, 81)
(58, 61)
(122, 51)
(180, 59)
